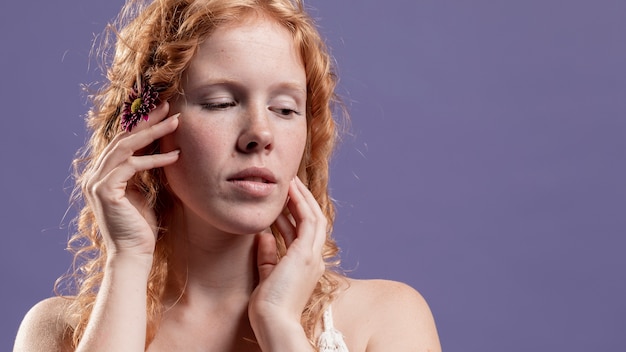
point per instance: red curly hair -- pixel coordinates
(157, 40)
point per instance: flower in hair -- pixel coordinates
(140, 102)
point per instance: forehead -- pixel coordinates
(253, 25)
(255, 45)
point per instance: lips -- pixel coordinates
(254, 174)
(253, 183)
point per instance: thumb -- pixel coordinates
(267, 255)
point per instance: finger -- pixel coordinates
(125, 148)
(304, 216)
(156, 116)
(119, 176)
(267, 255)
(318, 237)
(286, 228)
(310, 199)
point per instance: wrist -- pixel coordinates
(281, 335)
(118, 260)
(118, 319)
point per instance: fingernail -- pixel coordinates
(175, 116)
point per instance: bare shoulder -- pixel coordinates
(45, 327)
(394, 316)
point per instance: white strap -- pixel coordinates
(331, 339)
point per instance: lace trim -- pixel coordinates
(331, 340)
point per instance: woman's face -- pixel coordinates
(242, 128)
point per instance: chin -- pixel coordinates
(239, 227)
(246, 220)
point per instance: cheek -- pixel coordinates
(191, 137)
(201, 152)
(199, 160)
(301, 145)
(297, 149)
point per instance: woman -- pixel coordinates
(207, 219)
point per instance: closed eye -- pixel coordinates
(219, 106)
(286, 111)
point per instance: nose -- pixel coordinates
(256, 133)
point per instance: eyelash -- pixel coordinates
(219, 106)
(226, 105)
(287, 112)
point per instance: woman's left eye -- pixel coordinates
(219, 105)
(286, 111)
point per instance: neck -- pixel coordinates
(210, 265)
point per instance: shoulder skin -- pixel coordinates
(45, 328)
(381, 315)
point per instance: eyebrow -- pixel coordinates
(292, 86)
(287, 86)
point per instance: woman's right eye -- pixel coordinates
(219, 105)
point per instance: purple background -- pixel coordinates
(486, 165)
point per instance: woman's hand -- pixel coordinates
(126, 222)
(284, 288)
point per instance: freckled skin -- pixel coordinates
(244, 106)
